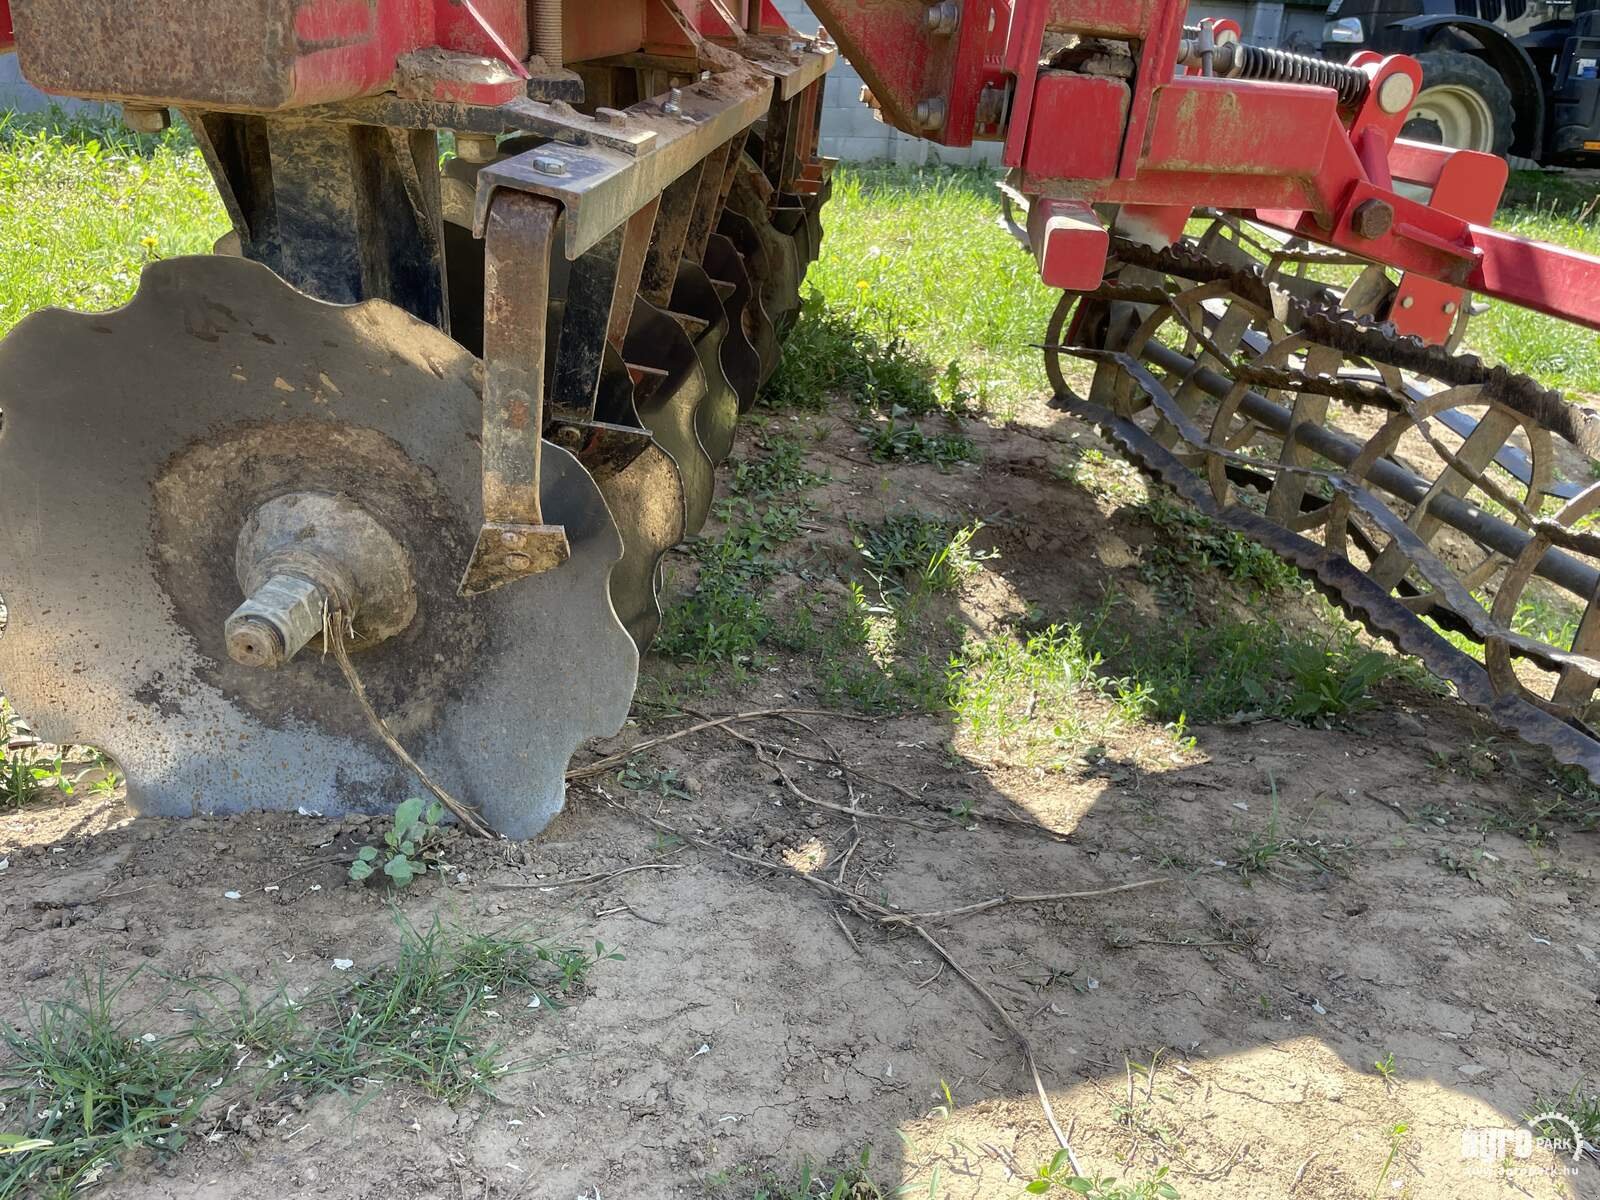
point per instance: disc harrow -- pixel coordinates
(444, 421)
(1421, 490)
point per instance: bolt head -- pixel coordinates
(518, 561)
(476, 147)
(930, 113)
(549, 164)
(1396, 92)
(145, 119)
(1372, 218)
(1408, 302)
(1449, 308)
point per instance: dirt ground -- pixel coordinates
(1225, 1028)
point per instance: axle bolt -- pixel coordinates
(476, 147)
(930, 113)
(549, 164)
(941, 19)
(275, 623)
(1396, 92)
(1372, 218)
(141, 118)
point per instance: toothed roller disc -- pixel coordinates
(135, 445)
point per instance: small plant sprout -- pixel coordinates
(1057, 1175)
(1385, 1068)
(408, 848)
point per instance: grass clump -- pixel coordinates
(724, 618)
(914, 550)
(1193, 543)
(780, 471)
(1025, 695)
(892, 441)
(1199, 673)
(830, 352)
(82, 1083)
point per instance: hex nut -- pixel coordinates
(477, 147)
(930, 113)
(142, 118)
(1372, 218)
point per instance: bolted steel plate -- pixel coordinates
(135, 445)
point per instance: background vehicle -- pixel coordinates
(1509, 77)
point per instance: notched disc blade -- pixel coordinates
(217, 388)
(740, 361)
(763, 333)
(646, 499)
(656, 340)
(718, 413)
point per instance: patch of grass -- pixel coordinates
(831, 352)
(891, 441)
(882, 658)
(1202, 673)
(919, 256)
(913, 550)
(1581, 1106)
(781, 471)
(83, 1083)
(1025, 695)
(724, 618)
(84, 205)
(1193, 544)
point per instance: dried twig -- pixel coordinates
(578, 880)
(845, 929)
(333, 629)
(601, 765)
(879, 914)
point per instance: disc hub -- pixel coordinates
(304, 555)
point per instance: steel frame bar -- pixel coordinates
(514, 541)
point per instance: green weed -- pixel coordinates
(781, 471)
(1057, 1176)
(915, 550)
(409, 848)
(892, 441)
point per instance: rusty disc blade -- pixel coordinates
(656, 342)
(740, 362)
(220, 386)
(646, 499)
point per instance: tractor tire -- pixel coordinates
(1463, 104)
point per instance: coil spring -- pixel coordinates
(1280, 66)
